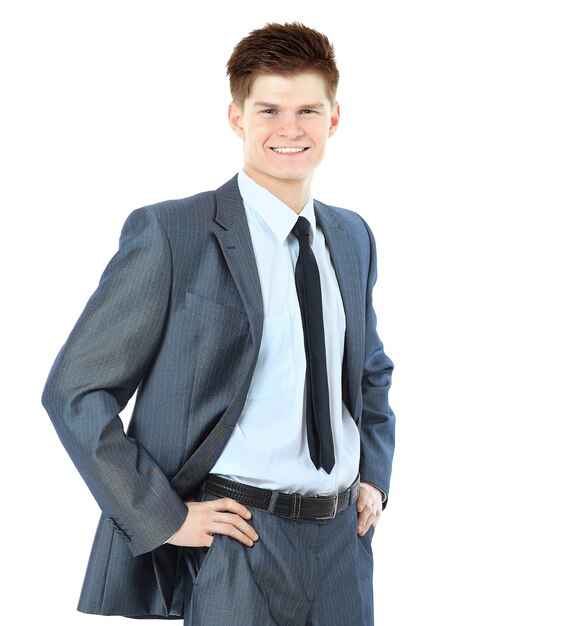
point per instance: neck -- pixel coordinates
(293, 193)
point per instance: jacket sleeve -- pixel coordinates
(96, 373)
(377, 418)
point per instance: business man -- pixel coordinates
(258, 456)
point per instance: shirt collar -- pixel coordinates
(279, 217)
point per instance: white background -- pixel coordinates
(463, 142)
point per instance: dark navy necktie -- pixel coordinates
(318, 415)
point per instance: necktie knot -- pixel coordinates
(301, 228)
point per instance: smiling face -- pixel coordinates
(285, 124)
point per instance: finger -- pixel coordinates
(363, 516)
(362, 519)
(237, 522)
(227, 504)
(362, 500)
(362, 530)
(232, 531)
(365, 501)
(365, 519)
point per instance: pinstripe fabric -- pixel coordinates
(178, 314)
(299, 573)
(367, 370)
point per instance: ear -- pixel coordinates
(335, 115)
(235, 119)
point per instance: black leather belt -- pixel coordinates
(292, 505)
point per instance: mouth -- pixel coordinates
(288, 150)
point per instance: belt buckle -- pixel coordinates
(331, 515)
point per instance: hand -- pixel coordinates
(216, 517)
(369, 507)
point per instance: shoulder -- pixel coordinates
(344, 219)
(161, 220)
(180, 213)
(194, 213)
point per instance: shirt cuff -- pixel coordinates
(168, 540)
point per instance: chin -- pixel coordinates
(291, 177)
(291, 174)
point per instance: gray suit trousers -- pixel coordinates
(299, 573)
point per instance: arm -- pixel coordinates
(96, 373)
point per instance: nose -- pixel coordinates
(290, 127)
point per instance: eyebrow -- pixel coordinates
(269, 105)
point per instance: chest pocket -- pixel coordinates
(274, 373)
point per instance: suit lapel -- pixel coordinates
(233, 234)
(341, 245)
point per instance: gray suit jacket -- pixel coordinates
(178, 314)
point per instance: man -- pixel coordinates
(244, 318)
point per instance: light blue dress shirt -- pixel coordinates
(268, 447)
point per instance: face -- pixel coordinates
(284, 124)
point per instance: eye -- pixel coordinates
(270, 111)
(307, 111)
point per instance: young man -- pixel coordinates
(244, 317)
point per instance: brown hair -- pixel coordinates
(283, 49)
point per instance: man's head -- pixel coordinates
(283, 50)
(284, 82)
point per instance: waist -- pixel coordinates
(291, 505)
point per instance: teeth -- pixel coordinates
(288, 150)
